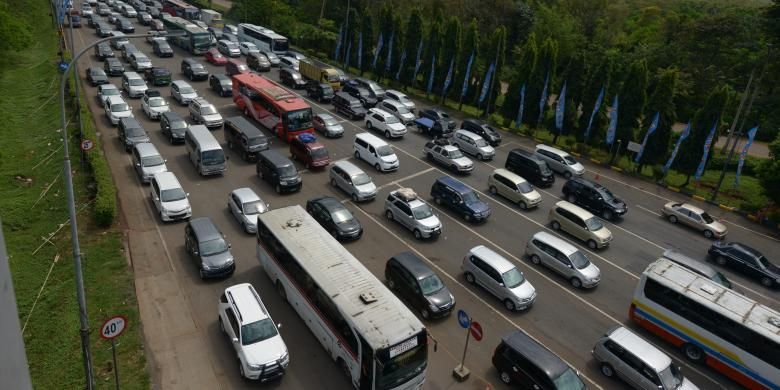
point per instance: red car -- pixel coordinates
(215, 57)
(307, 150)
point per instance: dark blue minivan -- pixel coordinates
(460, 198)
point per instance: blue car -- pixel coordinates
(460, 198)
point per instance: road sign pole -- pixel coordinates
(461, 373)
(116, 368)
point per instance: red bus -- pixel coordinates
(271, 105)
(181, 9)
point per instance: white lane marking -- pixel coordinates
(648, 210)
(395, 182)
(505, 144)
(468, 289)
(750, 230)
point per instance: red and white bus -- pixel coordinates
(181, 9)
(284, 113)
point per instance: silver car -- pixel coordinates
(203, 112)
(560, 161)
(183, 92)
(328, 125)
(352, 180)
(106, 90)
(694, 217)
(133, 84)
(147, 161)
(403, 206)
(484, 267)
(246, 205)
(565, 259)
(473, 144)
(448, 155)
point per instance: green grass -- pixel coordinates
(31, 168)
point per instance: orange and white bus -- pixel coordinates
(711, 324)
(282, 112)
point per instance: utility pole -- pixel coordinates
(745, 94)
(322, 12)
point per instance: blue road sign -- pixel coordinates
(463, 319)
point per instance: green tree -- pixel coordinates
(386, 31)
(367, 34)
(598, 78)
(633, 100)
(769, 172)
(470, 45)
(496, 52)
(412, 39)
(450, 51)
(525, 64)
(661, 101)
(575, 78)
(691, 150)
(545, 66)
(433, 49)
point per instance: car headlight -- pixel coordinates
(255, 366)
(207, 267)
(285, 359)
(433, 307)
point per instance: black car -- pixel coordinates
(113, 66)
(412, 280)
(193, 69)
(96, 76)
(221, 84)
(483, 130)
(594, 197)
(335, 218)
(258, 62)
(207, 246)
(360, 93)
(435, 114)
(173, 126)
(93, 20)
(103, 51)
(103, 29)
(158, 76)
(320, 91)
(291, 78)
(162, 48)
(747, 261)
(126, 26)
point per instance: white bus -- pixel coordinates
(265, 39)
(731, 333)
(371, 335)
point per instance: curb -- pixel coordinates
(699, 198)
(725, 207)
(593, 160)
(616, 169)
(670, 188)
(575, 154)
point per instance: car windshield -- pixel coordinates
(319, 153)
(330, 121)
(208, 110)
(95, 71)
(110, 92)
(720, 279)
(341, 216)
(327, 89)
(172, 195)
(213, 157)
(764, 262)
(579, 260)
(253, 207)
(258, 331)
(271, 55)
(594, 224)
(299, 119)
(256, 141)
(513, 278)
(391, 119)
(545, 169)
(470, 197)
(455, 153)
(671, 378)
(481, 143)
(384, 150)
(242, 68)
(707, 218)
(422, 211)
(287, 171)
(152, 161)
(136, 82)
(431, 285)
(402, 109)
(570, 160)
(360, 179)
(158, 102)
(119, 107)
(135, 132)
(606, 194)
(185, 90)
(524, 187)
(217, 55)
(213, 247)
(569, 380)
(179, 124)
(444, 115)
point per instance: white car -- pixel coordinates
(116, 109)
(385, 122)
(244, 319)
(248, 48)
(246, 205)
(133, 84)
(86, 10)
(153, 105)
(140, 61)
(106, 90)
(205, 113)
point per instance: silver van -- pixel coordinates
(623, 354)
(169, 197)
(204, 151)
(513, 187)
(698, 267)
(375, 152)
(352, 180)
(147, 161)
(560, 161)
(497, 275)
(579, 223)
(564, 258)
(473, 145)
(398, 109)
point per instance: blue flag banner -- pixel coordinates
(650, 131)
(346, 57)
(560, 108)
(377, 50)
(430, 77)
(520, 110)
(594, 112)
(418, 61)
(751, 134)
(338, 43)
(682, 138)
(467, 77)
(706, 152)
(613, 118)
(401, 65)
(448, 79)
(543, 98)
(486, 83)
(360, 50)
(390, 53)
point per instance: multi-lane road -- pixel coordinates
(566, 320)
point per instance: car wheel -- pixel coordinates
(479, 157)
(280, 290)
(437, 200)
(170, 138)
(389, 215)
(575, 282)
(354, 198)
(245, 226)
(607, 370)
(335, 234)
(430, 156)
(592, 245)
(571, 198)
(467, 217)
(391, 284)
(470, 278)
(607, 214)
(387, 133)
(767, 282)
(417, 234)
(504, 376)
(693, 353)
(357, 155)
(523, 205)
(672, 219)
(536, 260)
(721, 260)
(493, 190)
(368, 125)
(556, 225)
(246, 111)
(221, 325)
(377, 167)
(278, 189)
(425, 314)
(567, 175)
(333, 182)
(241, 369)
(708, 234)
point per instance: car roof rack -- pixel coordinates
(407, 194)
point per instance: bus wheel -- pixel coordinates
(280, 289)
(693, 353)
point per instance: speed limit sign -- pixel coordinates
(113, 327)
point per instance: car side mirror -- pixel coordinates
(230, 246)
(138, 164)
(235, 340)
(279, 326)
(227, 158)
(187, 194)
(501, 284)
(166, 160)
(460, 202)
(156, 199)
(195, 253)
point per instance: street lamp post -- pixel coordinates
(84, 330)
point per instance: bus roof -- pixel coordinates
(180, 3)
(273, 91)
(379, 315)
(739, 308)
(267, 31)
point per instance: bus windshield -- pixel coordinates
(400, 369)
(281, 45)
(213, 157)
(201, 40)
(299, 119)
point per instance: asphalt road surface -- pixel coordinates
(566, 320)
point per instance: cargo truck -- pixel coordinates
(319, 72)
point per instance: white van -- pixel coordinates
(375, 152)
(204, 151)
